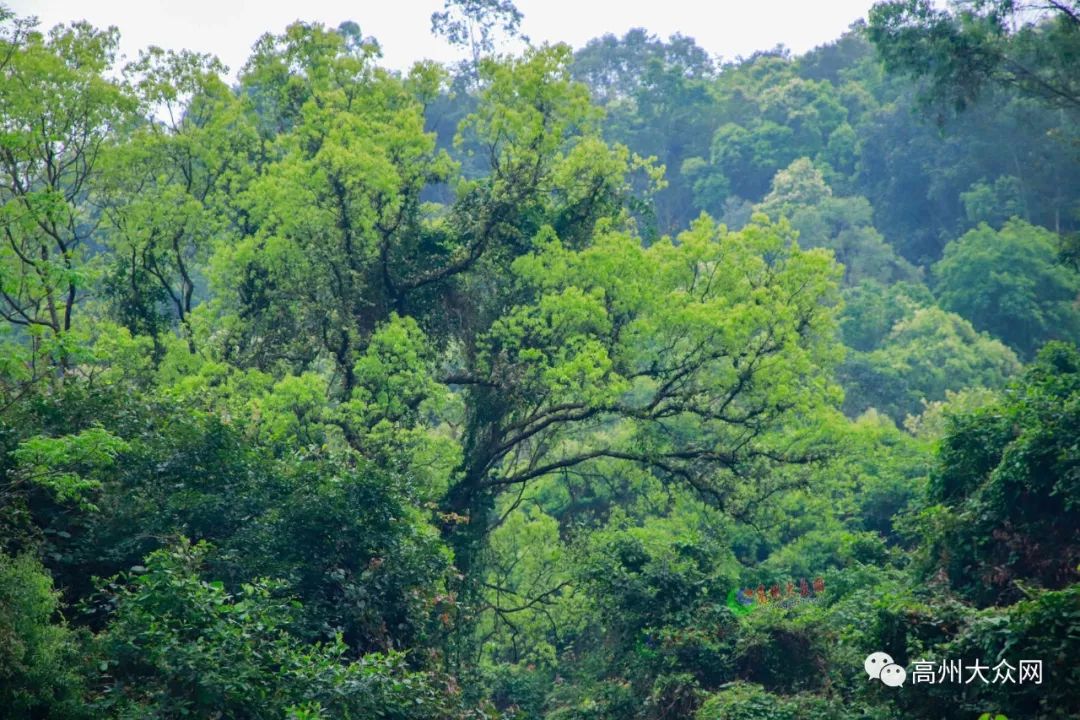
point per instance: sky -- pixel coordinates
(228, 28)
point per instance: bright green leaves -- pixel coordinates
(164, 189)
(287, 71)
(529, 109)
(397, 410)
(340, 247)
(526, 561)
(539, 134)
(695, 347)
(292, 412)
(555, 348)
(394, 374)
(592, 182)
(68, 466)
(37, 656)
(730, 301)
(333, 232)
(59, 109)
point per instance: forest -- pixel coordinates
(621, 383)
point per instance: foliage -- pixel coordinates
(1003, 495)
(59, 110)
(480, 390)
(181, 646)
(472, 24)
(844, 225)
(922, 358)
(1009, 284)
(50, 462)
(657, 98)
(748, 701)
(38, 662)
(871, 309)
(980, 43)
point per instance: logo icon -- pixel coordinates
(742, 601)
(880, 666)
(893, 675)
(739, 602)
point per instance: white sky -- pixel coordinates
(228, 28)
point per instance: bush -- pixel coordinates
(37, 656)
(183, 647)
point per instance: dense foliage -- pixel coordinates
(480, 391)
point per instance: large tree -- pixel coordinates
(567, 339)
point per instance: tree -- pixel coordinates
(1010, 284)
(163, 189)
(458, 429)
(556, 367)
(657, 99)
(768, 117)
(59, 111)
(473, 24)
(1001, 503)
(330, 224)
(872, 309)
(842, 224)
(617, 69)
(924, 356)
(924, 180)
(1029, 46)
(581, 358)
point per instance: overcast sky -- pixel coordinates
(228, 28)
